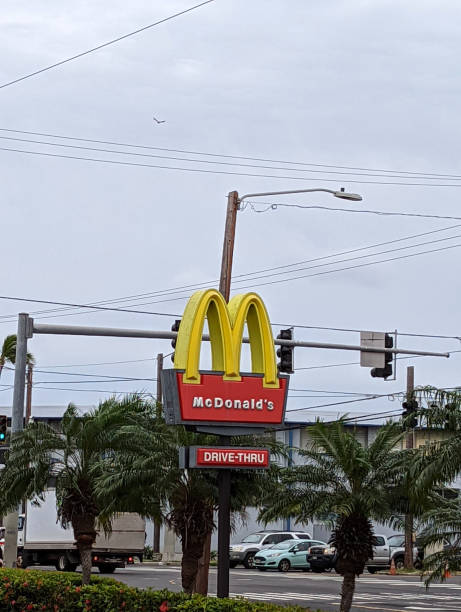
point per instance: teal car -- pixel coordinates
(286, 555)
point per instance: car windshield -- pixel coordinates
(396, 540)
(253, 538)
(285, 544)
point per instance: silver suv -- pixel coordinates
(245, 550)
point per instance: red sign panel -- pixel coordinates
(229, 402)
(232, 457)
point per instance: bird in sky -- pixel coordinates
(157, 121)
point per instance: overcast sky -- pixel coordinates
(364, 84)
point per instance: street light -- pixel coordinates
(344, 195)
(224, 483)
(234, 203)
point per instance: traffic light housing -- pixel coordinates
(451, 420)
(3, 428)
(174, 328)
(388, 358)
(285, 353)
(409, 417)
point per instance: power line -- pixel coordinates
(411, 246)
(285, 280)
(221, 163)
(330, 391)
(239, 278)
(37, 301)
(106, 44)
(208, 154)
(337, 365)
(84, 365)
(89, 382)
(361, 399)
(84, 374)
(350, 210)
(221, 172)
(116, 392)
(370, 417)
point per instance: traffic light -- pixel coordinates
(451, 420)
(388, 358)
(409, 418)
(3, 428)
(174, 328)
(285, 353)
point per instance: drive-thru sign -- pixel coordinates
(222, 457)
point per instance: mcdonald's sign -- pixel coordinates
(224, 395)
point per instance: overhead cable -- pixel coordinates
(238, 277)
(227, 156)
(221, 172)
(382, 213)
(219, 163)
(106, 44)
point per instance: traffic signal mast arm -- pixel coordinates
(78, 330)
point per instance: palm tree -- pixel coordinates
(347, 483)
(8, 353)
(151, 482)
(438, 465)
(443, 530)
(75, 459)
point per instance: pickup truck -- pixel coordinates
(387, 549)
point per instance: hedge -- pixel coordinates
(24, 590)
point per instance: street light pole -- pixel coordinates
(228, 245)
(224, 477)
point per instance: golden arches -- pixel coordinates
(226, 323)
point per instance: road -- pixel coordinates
(374, 593)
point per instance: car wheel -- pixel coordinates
(399, 563)
(372, 570)
(232, 564)
(284, 565)
(249, 561)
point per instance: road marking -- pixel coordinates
(354, 605)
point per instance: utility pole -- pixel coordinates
(408, 560)
(17, 424)
(228, 245)
(224, 477)
(156, 538)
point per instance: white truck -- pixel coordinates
(42, 540)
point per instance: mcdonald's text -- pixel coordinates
(218, 400)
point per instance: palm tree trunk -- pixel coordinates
(201, 581)
(347, 592)
(85, 560)
(85, 536)
(191, 552)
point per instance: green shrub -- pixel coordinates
(25, 590)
